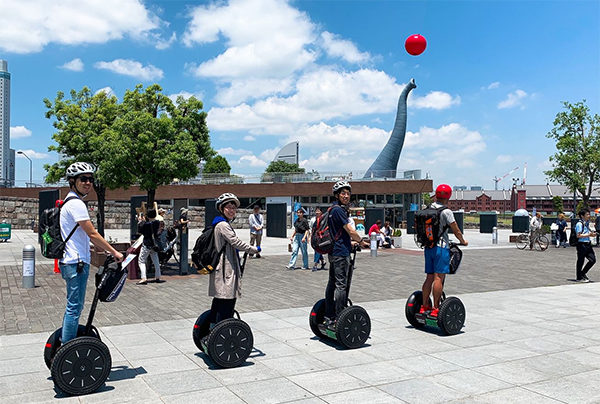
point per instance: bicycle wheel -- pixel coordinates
(522, 241)
(541, 243)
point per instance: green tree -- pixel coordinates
(576, 162)
(81, 124)
(280, 166)
(216, 165)
(557, 202)
(427, 199)
(155, 140)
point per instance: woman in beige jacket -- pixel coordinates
(225, 283)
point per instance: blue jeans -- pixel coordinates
(303, 246)
(76, 284)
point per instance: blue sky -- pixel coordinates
(325, 73)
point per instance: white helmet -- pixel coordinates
(226, 197)
(338, 186)
(79, 168)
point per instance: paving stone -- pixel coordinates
(367, 395)
(327, 381)
(422, 391)
(181, 382)
(219, 395)
(165, 364)
(269, 391)
(295, 364)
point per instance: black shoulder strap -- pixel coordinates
(76, 224)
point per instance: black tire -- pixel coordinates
(451, 316)
(201, 329)
(230, 343)
(413, 305)
(54, 342)
(317, 316)
(541, 243)
(522, 241)
(353, 327)
(81, 366)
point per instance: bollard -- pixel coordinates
(494, 235)
(29, 266)
(373, 239)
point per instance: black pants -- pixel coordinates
(562, 236)
(584, 250)
(336, 294)
(221, 309)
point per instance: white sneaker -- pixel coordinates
(392, 246)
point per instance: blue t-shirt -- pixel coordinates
(581, 229)
(338, 218)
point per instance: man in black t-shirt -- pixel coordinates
(300, 240)
(339, 260)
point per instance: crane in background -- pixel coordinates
(498, 179)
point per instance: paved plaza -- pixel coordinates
(531, 334)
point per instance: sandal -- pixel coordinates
(142, 283)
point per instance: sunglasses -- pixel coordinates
(86, 179)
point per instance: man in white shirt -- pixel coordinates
(256, 227)
(75, 263)
(535, 227)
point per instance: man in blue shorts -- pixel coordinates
(437, 258)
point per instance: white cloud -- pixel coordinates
(186, 95)
(503, 158)
(131, 68)
(229, 151)
(32, 154)
(342, 48)
(493, 85)
(19, 132)
(252, 161)
(106, 90)
(162, 44)
(249, 138)
(264, 38)
(513, 100)
(240, 90)
(28, 26)
(75, 65)
(433, 100)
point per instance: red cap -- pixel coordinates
(443, 191)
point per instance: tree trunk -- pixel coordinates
(150, 203)
(101, 193)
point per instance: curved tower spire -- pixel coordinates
(386, 163)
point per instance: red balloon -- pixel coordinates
(415, 44)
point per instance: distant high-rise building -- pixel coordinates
(288, 153)
(4, 124)
(11, 168)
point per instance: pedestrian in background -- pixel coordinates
(561, 233)
(150, 247)
(256, 227)
(597, 227)
(318, 257)
(584, 246)
(299, 240)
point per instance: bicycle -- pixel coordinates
(540, 241)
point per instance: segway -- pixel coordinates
(353, 325)
(451, 316)
(83, 364)
(229, 342)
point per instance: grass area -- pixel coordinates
(502, 219)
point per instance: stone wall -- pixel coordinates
(21, 212)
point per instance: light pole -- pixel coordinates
(30, 166)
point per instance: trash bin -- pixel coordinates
(5, 229)
(410, 222)
(520, 224)
(487, 222)
(460, 218)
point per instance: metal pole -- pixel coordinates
(494, 235)
(373, 238)
(28, 266)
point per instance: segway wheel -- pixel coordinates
(353, 327)
(201, 329)
(413, 305)
(54, 342)
(451, 316)
(317, 316)
(81, 366)
(230, 343)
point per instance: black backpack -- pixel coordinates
(573, 236)
(427, 226)
(321, 239)
(205, 255)
(51, 242)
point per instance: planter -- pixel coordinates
(397, 242)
